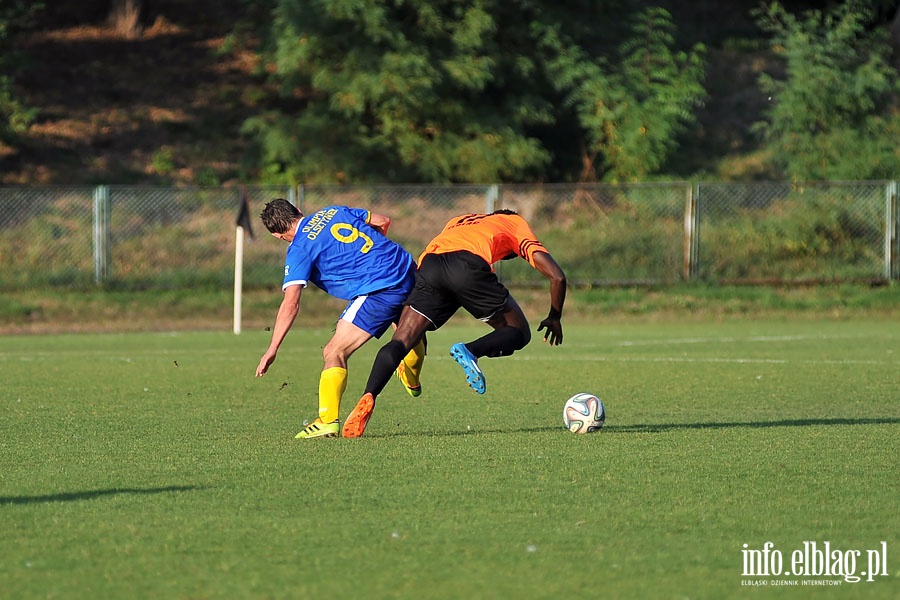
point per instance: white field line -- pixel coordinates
(33, 356)
(106, 354)
(683, 359)
(36, 355)
(721, 340)
(732, 340)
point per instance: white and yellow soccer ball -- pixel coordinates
(584, 413)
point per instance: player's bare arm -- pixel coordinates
(380, 222)
(550, 269)
(284, 320)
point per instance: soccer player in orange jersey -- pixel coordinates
(456, 271)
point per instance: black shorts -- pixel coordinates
(445, 282)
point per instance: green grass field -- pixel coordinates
(156, 466)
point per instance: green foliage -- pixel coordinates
(442, 92)
(163, 161)
(379, 83)
(631, 112)
(15, 116)
(834, 114)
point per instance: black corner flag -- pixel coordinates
(243, 218)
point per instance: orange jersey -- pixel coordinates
(492, 237)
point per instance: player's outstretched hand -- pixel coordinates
(264, 363)
(553, 335)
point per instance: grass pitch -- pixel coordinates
(156, 466)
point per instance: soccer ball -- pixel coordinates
(584, 413)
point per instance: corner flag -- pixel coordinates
(243, 218)
(243, 225)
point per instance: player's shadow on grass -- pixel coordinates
(92, 494)
(662, 427)
(658, 427)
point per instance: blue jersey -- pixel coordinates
(336, 249)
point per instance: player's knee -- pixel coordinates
(524, 337)
(507, 340)
(335, 354)
(392, 353)
(517, 338)
(406, 337)
(396, 347)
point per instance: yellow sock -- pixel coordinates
(332, 383)
(414, 362)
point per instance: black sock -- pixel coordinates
(386, 361)
(500, 342)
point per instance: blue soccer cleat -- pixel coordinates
(465, 359)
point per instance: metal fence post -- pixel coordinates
(691, 265)
(101, 234)
(892, 231)
(491, 199)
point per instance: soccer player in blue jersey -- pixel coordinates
(345, 252)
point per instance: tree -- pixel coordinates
(14, 115)
(834, 114)
(629, 117)
(482, 91)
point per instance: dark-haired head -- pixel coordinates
(278, 215)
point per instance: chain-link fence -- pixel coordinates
(604, 235)
(789, 232)
(158, 237)
(45, 236)
(129, 237)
